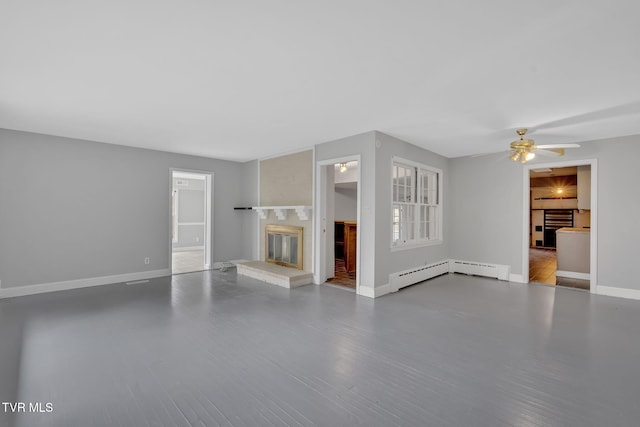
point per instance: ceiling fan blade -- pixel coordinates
(549, 153)
(556, 146)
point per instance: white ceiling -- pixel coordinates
(241, 80)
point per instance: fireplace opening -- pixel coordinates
(283, 245)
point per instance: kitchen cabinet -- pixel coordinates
(573, 253)
(537, 227)
(345, 243)
(584, 187)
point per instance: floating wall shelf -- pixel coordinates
(281, 211)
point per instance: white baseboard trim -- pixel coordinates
(376, 292)
(188, 248)
(475, 268)
(618, 292)
(366, 291)
(573, 275)
(40, 288)
(517, 278)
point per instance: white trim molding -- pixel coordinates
(319, 224)
(418, 274)
(19, 291)
(303, 212)
(619, 292)
(517, 278)
(188, 248)
(497, 271)
(593, 264)
(573, 275)
(421, 273)
(376, 292)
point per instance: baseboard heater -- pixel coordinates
(419, 274)
(497, 271)
(412, 276)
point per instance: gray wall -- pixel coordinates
(488, 202)
(376, 150)
(87, 209)
(346, 202)
(249, 196)
(364, 145)
(388, 262)
(486, 198)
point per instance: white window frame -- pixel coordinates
(175, 202)
(415, 206)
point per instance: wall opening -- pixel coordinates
(337, 229)
(190, 221)
(560, 237)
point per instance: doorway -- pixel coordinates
(337, 230)
(190, 221)
(560, 213)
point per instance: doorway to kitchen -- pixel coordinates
(560, 224)
(190, 221)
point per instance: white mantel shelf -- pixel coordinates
(281, 211)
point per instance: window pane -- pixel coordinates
(410, 222)
(425, 189)
(433, 222)
(423, 222)
(395, 224)
(429, 187)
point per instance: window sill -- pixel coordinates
(416, 245)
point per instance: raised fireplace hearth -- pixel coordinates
(274, 274)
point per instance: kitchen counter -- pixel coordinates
(573, 252)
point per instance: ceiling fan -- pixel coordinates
(524, 150)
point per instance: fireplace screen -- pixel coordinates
(284, 245)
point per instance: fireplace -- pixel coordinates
(283, 245)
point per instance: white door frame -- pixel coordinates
(208, 214)
(593, 265)
(320, 240)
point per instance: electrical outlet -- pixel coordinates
(147, 260)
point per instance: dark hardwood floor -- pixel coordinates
(342, 276)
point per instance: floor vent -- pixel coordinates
(496, 271)
(409, 277)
